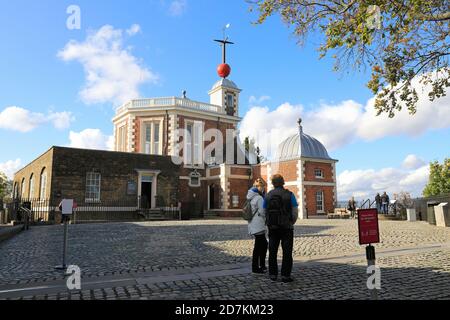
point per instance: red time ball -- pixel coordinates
(223, 70)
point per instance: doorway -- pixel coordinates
(211, 197)
(146, 194)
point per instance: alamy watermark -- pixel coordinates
(74, 20)
(74, 280)
(374, 279)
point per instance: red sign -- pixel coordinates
(369, 231)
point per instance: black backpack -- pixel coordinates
(279, 209)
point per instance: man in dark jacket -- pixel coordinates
(385, 203)
(281, 209)
(378, 202)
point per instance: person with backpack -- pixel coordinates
(281, 209)
(257, 225)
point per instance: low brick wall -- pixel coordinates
(8, 232)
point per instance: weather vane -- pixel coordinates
(224, 69)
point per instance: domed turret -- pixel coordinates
(301, 145)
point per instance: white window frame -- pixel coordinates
(320, 201)
(194, 144)
(196, 175)
(43, 184)
(88, 198)
(152, 147)
(321, 175)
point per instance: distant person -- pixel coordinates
(378, 202)
(385, 203)
(281, 214)
(352, 207)
(257, 226)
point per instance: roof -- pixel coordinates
(302, 145)
(225, 83)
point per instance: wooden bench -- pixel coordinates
(339, 213)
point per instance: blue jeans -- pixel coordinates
(384, 207)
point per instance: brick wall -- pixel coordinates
(238, 187)
(327, 169)
(260, 171)
(311, 198)
(288, 169)
(116, 169)
(240, 171)
(35, 168)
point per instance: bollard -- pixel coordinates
(64, 255)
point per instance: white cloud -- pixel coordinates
(336, 125)
(134, 29)
(413, 162)
(91, 139)
(10, 167)
(363, 184)
(257, 101)
(269, 128)
(113, 74)
(177, 7)
(22, 120)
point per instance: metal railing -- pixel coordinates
(113, 210)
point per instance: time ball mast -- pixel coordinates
(224, 69)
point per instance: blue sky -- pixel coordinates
(174, 45)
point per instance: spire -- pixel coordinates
(300, 127)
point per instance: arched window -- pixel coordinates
(15, 191)
(22, 188)
(31, 189)
(43, 185)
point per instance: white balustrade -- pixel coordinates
(170, 101)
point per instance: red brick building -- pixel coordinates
(309, 173)
(213, 171)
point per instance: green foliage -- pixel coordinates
(409, 42)
(249, 144)
(3, 185)
(439, 180)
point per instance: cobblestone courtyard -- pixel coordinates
(210, 260)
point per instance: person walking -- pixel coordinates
(378, 202)
(385, 203)
(352, 207)
(281, 209)
(257, 226)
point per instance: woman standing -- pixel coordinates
(257, 226)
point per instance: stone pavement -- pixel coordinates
(210, 260)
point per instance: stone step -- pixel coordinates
(389, 217)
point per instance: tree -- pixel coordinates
(439, 180)
(400, 40)
(249, 145)
(3, 185)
